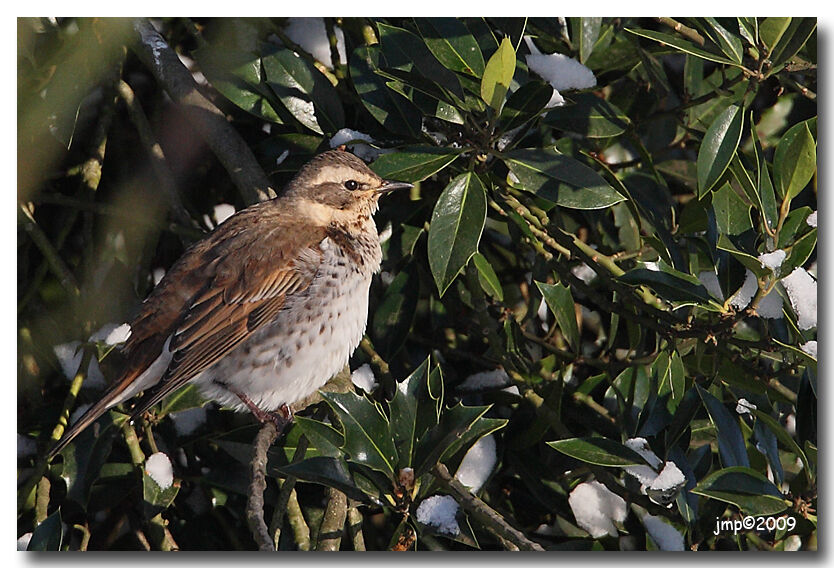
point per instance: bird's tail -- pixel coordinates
(112, 397)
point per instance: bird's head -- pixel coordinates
(336, 185)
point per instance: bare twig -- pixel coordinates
(685, 31)
(154, 150)
(355, 526)
(207, 119)
(490, 518)
(255, 504)
(333, 522)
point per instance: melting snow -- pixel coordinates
(596, 509)
(478, 463)
(439, 511)
(802, 291)
(159, 468)
(363, 377)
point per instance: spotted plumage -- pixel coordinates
(266, 308)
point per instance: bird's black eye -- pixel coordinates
(352, 185)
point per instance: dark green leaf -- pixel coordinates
(405, 51)
(156, 499)
(524, 104)
(413, 412)
(84, 457)
(745, 488)
(327, 471)
(414, 164)
(669, 286)
(598, 451)
(456, 226)
(498, 75)
(450, 41)
(588, 36)
(749, 261)
(395, 313)
(731, 447)
(392, 110)
(682, 45)
(366, 430)
(588, 115)
(447, 437)
(560, 301)
(561, 179)
(324, 437)
(772, 29)
(237, 76)
(304, 91)
(795, 161)
(48, 535)
(718, 147)
(183, 399)
(487, 277)
(797, 32)
(732, 214)
(729, 43)
(800, 251)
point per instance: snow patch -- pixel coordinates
(484, 380)
(664, 535)
(311, 35)
(773, 260)
(802, 291)
(439, 511)
(810, 348)
(478, 463)
(744, 406)
(562, 72)
(363, 377)
(812, 219)
(596, 509)
(159, 468)
(709, 279)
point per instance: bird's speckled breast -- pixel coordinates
(312, 336)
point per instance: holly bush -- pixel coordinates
(595, 325)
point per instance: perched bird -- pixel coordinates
(268, 307)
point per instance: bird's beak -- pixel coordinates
(390, 185)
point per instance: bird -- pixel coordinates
(266, 308)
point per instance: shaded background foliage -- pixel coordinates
(605, 257)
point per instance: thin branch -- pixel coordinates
(683, 30)
(207, 119)
(255, 503)
(485, 514)
(154, 150)
(333, 522)
(355, 526)
(53, 258)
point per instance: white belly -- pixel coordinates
(310, 340)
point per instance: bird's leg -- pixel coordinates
(280, 418)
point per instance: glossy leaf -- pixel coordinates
(785, 438)
(48, 535)
(304, 91)
(450, 41)
(745, 488)
(490, 282)
(561, 304)
(681, 45)
(456, 226)
(732, 214)
(447, 437)
(731, 446)
(392, 110)
(729, 43)
(524, 104)
(413, 164)
(598, 451)
(155, 498)
(718, 147)
(237, 76)
(323, 437)
(589, 32)
(561, 179)
(498, 74)
(669, 286)
(366, 430)
(85, 456)
(405, 51)
(590, 116)
(771, 30)
(330, 472)
(795, 161)
(413, 411)
(794, 36)
(395, 313)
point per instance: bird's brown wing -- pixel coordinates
(216, 295)
(247, 291)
